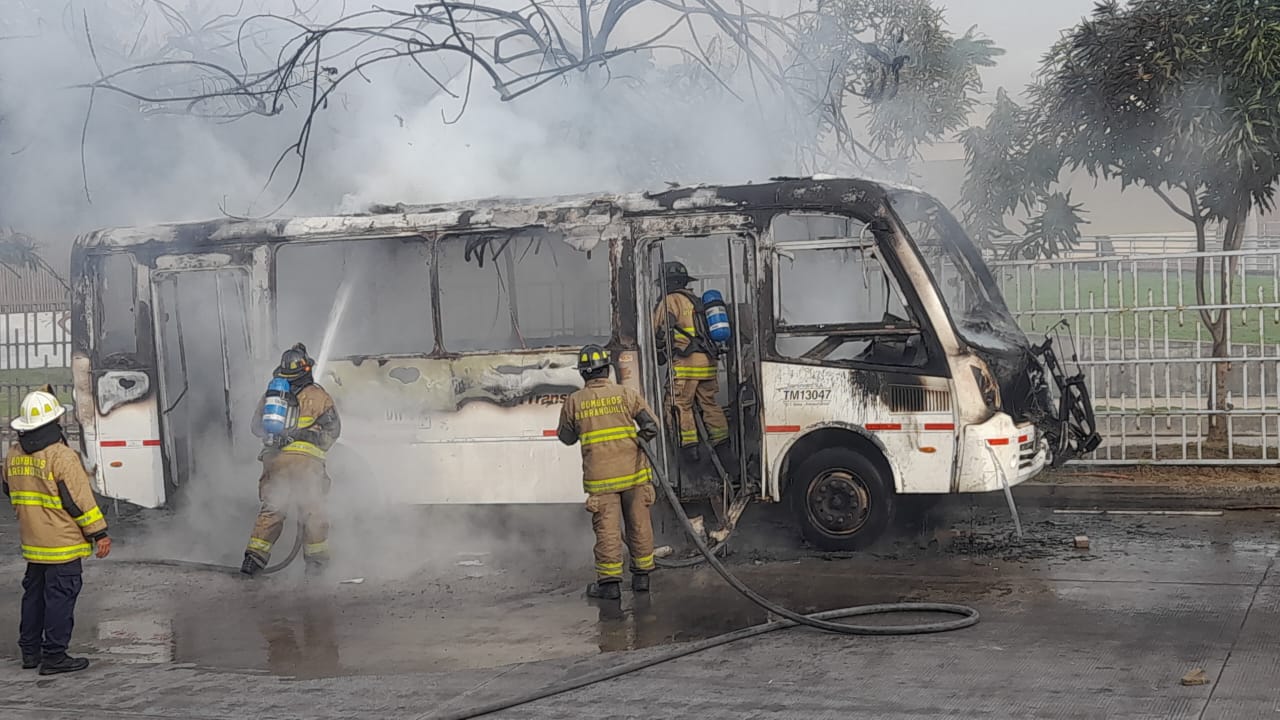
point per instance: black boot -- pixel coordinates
(63, 664)
(640, 582)
(251, 565)
(30, 662)
(690, 456)
(605, 590)
(316, 567)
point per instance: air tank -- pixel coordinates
(717, 316)
(275, 409)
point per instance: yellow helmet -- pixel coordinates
(39, 408)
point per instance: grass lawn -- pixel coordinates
(1066, 292)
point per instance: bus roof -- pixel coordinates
(590, 213)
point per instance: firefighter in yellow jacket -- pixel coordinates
(293, 469)
(603, 417)
(60, 523)
(693, 360)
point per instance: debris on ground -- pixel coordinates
(352, 581)
(1082, 542)
(1196, 677)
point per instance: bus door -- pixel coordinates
(208, 387)
(850, 352)
(724, 263)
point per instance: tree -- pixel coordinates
(1180, 97)
(456, 46)
(886, 78)
(888, 64)
(1008, 171)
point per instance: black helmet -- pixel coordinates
(295, 363)
(592, 358)
(676, 275)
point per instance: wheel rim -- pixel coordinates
(838, 502)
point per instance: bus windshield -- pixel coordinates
(965, 283)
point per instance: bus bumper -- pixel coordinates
(998, 452)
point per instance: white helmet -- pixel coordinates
(39, 408)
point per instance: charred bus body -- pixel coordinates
(872, 354)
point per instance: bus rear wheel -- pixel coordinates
(840, 500)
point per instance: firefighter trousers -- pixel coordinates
(685, 394)
(49, 594)
(609, 513)
(291, 480)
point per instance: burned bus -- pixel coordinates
(872, 355)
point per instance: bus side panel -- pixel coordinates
(913, 423)
(470, 430)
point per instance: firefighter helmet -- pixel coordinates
(39, 408)
(295, 363)
(675, 271)
(675, 276)
(592, 358)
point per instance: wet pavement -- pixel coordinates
(1065, 633)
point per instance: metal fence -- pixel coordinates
(1135, 320)
(35, 342)
(10, 404)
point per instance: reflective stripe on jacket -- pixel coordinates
(58, 517)
(677, 314)
(317, 422)
(602, 418)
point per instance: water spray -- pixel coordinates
(336, 314)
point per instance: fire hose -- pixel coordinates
(194, 565)
(966, 617)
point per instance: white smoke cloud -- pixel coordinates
(628, 126)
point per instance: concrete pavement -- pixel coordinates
(1065, 633)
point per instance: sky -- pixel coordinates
(1025, 33)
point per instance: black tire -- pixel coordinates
(840, 499)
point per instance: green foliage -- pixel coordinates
(1179, 96)
(1007, 172)
(896, 69)
(1172, 95)
(1055, 230)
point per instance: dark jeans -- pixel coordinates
(49, 595)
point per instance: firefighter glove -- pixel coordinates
(648, 427)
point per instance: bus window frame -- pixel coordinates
(883, 245)
(143, 355)
(616, 318)
(427, 239)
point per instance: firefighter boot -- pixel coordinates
(63, 664)
(316, 567)
(251, 565)
(605, 590)
(640, 582)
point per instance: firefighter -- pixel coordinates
(682, 335)
(603, 417)
(60, 523)
(293, 469)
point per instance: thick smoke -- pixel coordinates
(642, 120)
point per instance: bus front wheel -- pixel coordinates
(840, 499)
